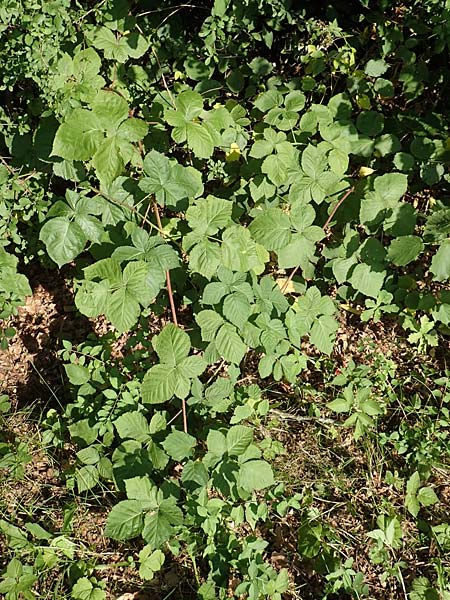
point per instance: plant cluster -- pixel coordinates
(220, 183)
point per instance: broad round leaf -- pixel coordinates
(255, 475)
(64, 240)
(125, 521)
(405, 249)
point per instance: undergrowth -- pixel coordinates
(247, 204)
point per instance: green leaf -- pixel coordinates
(87, 477)
(387, 144)
(339, 405)
(391, 187)
(313, 161)
(79, 137)
(437, 226)
(38, 532)
(139, 488)
(268, 100)
(255, 475)
(208, 215)
(200, 140)
(110, 109)
(161, 521)
(119, 47)
(77, 374)
(107, 161)
(412, 487)
(422, 590)
(214, 292)
(122, 310)
(150, 562)
(141, 282)
(209, 322)
(370, 123)
(229, 344)
(92, 298)
(432, 173)
(405, 249)
(413, 483)
(367, 281)
(89, 455)
(427, 496)
(132, 130)
(158, 384)
(274, 166)
(403, 161)
(272, 229)
(200, 136)
(84, 589)
(375, 68)
(422, 148)
(216, 442)
(295, 101)
(300, 252)
(338, 160)
(15, 537)
(171, 345)
(322, 333)
(440, 265)
(179, 445)
(237, 309)
(125, 521)
(261, 149)
(204, 258)
(238, 439)
(240, 252)
(169, 181)
(189, 104)
(137, 285)
(63, 239)
(133, 425)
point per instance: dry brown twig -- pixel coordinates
(172, 306)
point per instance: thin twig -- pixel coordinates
(90, 11)
(20, 180)
(172, 306)
(174, 418)
(169, 283)
(333, 212)
(216, 371)
(150, 12)
(145, 217)
(128, 207)
(325, 227)
(164, 79)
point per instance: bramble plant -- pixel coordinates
(219, 185)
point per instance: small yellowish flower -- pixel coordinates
(365, 171)
(178, 75)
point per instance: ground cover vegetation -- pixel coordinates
(224, 301)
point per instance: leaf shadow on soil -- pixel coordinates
(31, 371)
